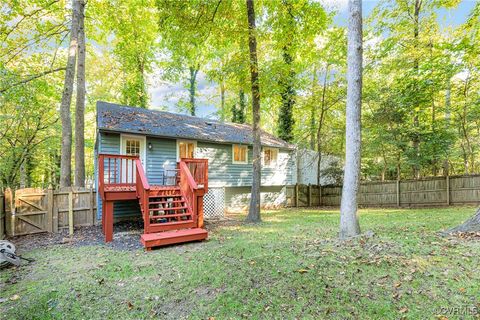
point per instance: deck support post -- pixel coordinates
(108, 220)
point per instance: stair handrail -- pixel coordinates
(142, 188)
(192, 192)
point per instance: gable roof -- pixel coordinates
(119, 118)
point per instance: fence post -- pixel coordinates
(309, 195)
(50, 209)
(296, 195)
(92, 204)
(448, 189)
(9, 208)
(398, 193)
(320, 196)
(70, 213)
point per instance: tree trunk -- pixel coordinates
(416, 122)
(313, 109)
(80, 106)
(192, 89)
(447, 122)
(285, 121)
(471, 225)
(66, 158)
(222, 100)
(242, 106)
(349, 225)
(254, 211)
(323, 110)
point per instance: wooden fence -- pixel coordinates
(34, 210)
(428, 192)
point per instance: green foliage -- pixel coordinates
(421, 106)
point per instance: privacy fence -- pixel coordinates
(28, 211)
(428, 192)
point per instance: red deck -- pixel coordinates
(171, 213)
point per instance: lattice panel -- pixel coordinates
(214, 203)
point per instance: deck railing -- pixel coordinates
(115, 170)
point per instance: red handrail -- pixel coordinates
(193, 189)
(142, 188)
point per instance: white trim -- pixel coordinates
(274, 165)
(233, 154)
(143, 146)
(187, 141)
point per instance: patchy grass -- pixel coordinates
(289, 266)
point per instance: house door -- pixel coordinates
(132, 146)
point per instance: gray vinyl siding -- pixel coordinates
(223, 172)
(162, 156)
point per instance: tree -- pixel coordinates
(254, 210)
(349, 225)
(66, 154)
(80, 105)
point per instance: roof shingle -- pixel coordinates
(118, 118)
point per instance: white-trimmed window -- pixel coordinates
(240, 154)
(270, 156)
(186, 149)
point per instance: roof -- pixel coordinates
(119, 118)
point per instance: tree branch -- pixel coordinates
(31, 78)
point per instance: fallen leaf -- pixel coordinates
(403, 310)
(302, 271)
(15, 297)
(130, 305)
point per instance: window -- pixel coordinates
(270, 156)
(240, 154)
(132, 147)
(186, 149)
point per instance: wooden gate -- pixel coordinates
(28, 213)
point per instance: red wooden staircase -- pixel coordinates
(171, 213)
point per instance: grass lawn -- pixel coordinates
(289, 266)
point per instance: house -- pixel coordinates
(161, 139)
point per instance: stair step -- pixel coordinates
(172, 225)
(168, 209)
(158, 239)
(165, 216)
(166, 202)
(166, 196)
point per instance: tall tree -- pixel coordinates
(349, 225)
(254, 210)
(66, 154)
(80, 105)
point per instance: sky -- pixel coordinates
(166, 95)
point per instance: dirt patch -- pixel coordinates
(126, 236)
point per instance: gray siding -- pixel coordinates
(163, 156)
(222, 172)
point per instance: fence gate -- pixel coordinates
(29, 213)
